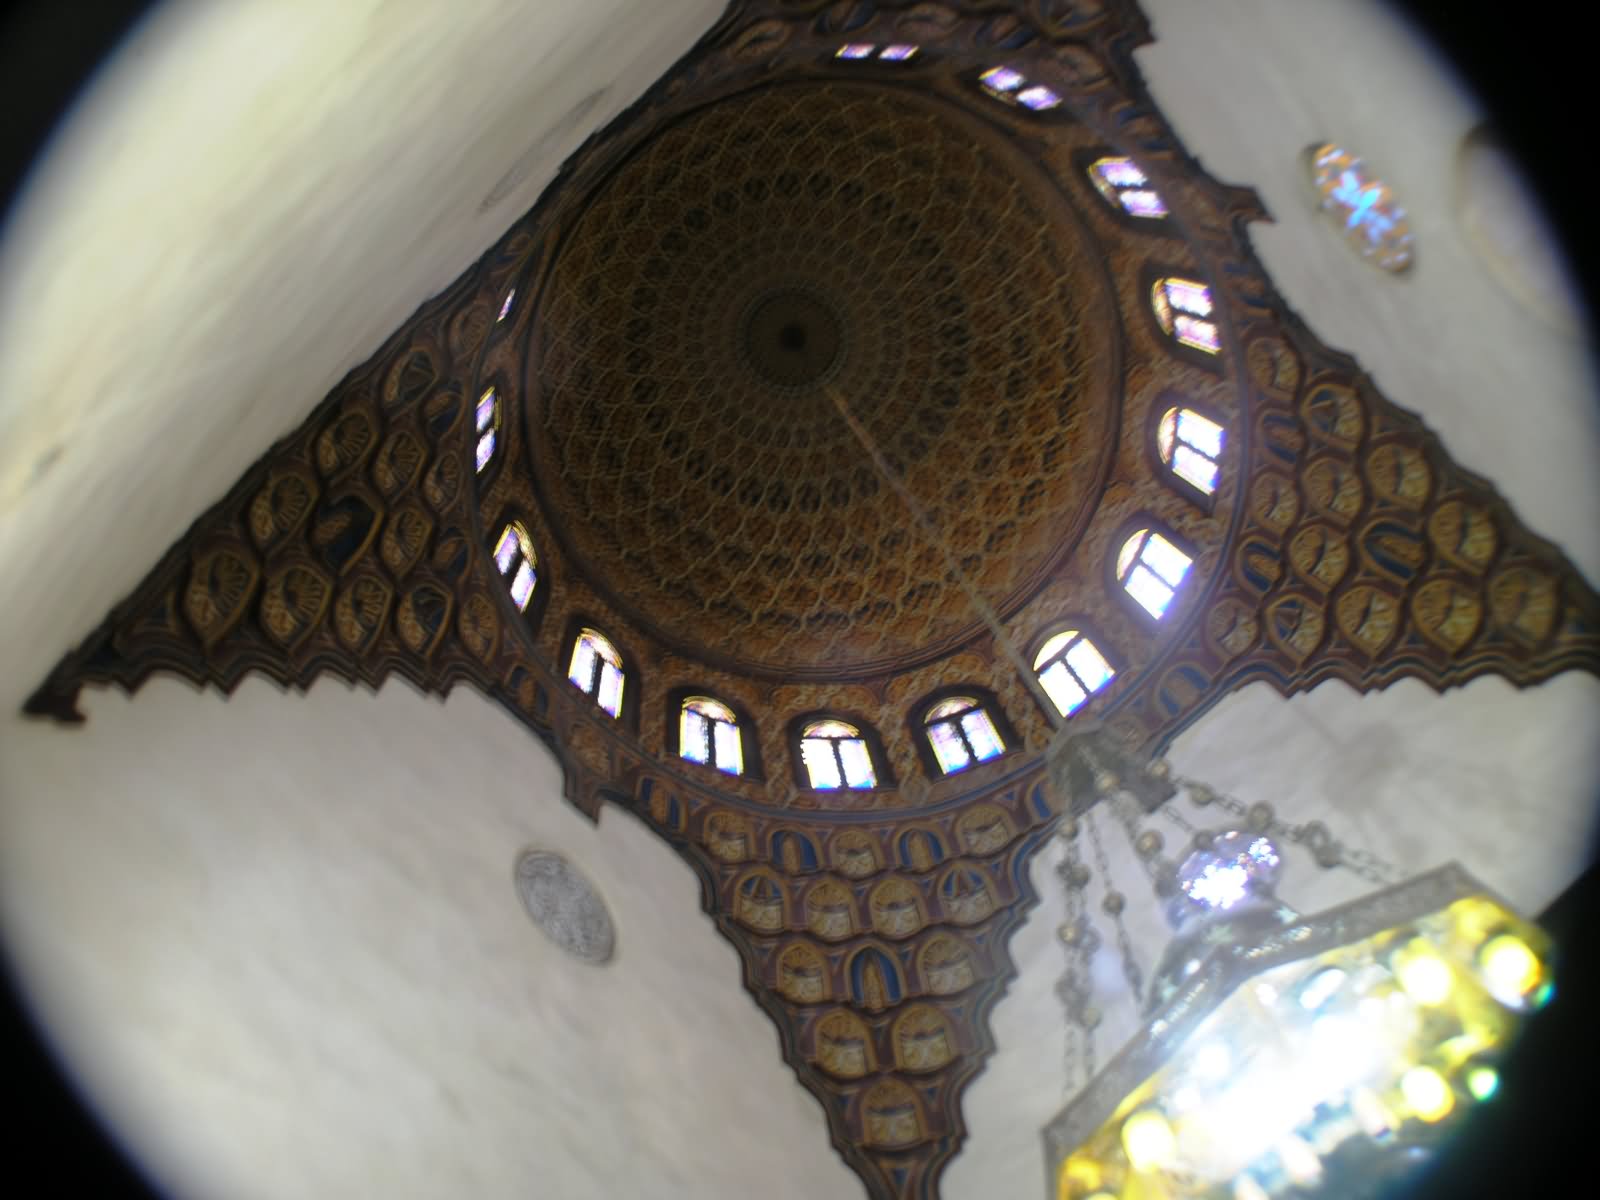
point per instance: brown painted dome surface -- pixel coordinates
(774, 306)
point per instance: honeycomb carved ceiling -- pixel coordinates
(755, 268)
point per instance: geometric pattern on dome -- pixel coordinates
(755, 266)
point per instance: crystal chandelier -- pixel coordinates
(1279, 1054)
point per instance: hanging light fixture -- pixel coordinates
(1278, 1054)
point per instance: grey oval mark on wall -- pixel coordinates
(536, 153)
(565, 906)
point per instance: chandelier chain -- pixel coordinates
(1130, 965)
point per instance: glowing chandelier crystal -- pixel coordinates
(1279, 1055)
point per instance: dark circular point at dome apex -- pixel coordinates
(792, 338)
(748, 270)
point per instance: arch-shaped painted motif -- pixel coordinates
(844, 1045)
(830, 910)
(946, 964)
(855, 854)
(966, 894)
(874, 980)
(794, 851)
(803, 974)
(891, 1115)
(896, 908)
(729, 836)
(758, 901)
(984, 829)
(923, 1039)
(920, 848)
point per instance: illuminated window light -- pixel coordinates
(1427, 1093)
(1192, 446)
(1070, 670)
(1363, 206)
(505, 308)
(1121, 182)
(708, 732)
(596, 670)
(1183, 308)
(962, 733)
(835, 755)
(516, 562)
(1150, 569)
(897, 53)
(855, 50)
(1001, 80)
(488, 418)
(1038, 98)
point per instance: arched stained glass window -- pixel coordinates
(514, 556)
(1192, 446)
(597, 670)
(1150, 568)
(1013, 87)
(962, 733)
(898, 52)
(1121, 181)
(708, 732)
(835, 755)
(1184, 309)
(1071, 669)
(488, 425)
(1364, 207)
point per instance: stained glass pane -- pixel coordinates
(1189, 296)
(1143, 203)
(857, 763)
(1165, 434)
(980, 731)
(1120, 172)
(506, 307)
(952, 706)
(1038, 98)
(1203, 434)
(610, 694)
(1202, 335)
(1165, 559)
(1196, 468)
(730, 754)
(1001, 79)
(1053, 647)
(603, 648)
(1062, 688)
(948, 747)
(506, 550)
(1089, 665)
(522, 585)
(855, 50)
(821, 766)
(485, 448)
(711, 708)
(1130, 551)
(693, 730)
(485, 409)
(582, 670)
(897, 53)
(830, 729)
(1145, 587)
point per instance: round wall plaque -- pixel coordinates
(565, 905)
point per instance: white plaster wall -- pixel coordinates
(279, 943)
(1503, 781)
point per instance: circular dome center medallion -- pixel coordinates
(776, 316)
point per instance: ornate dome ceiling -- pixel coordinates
(778, 304)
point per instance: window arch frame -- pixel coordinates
(1156, 273)
(628, 710)
(1084, 629)
(1166, 401)
(533, 615)
(749, 743)
(984, 698)
(864, 729)
(1152, 523)
(1085, 161)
